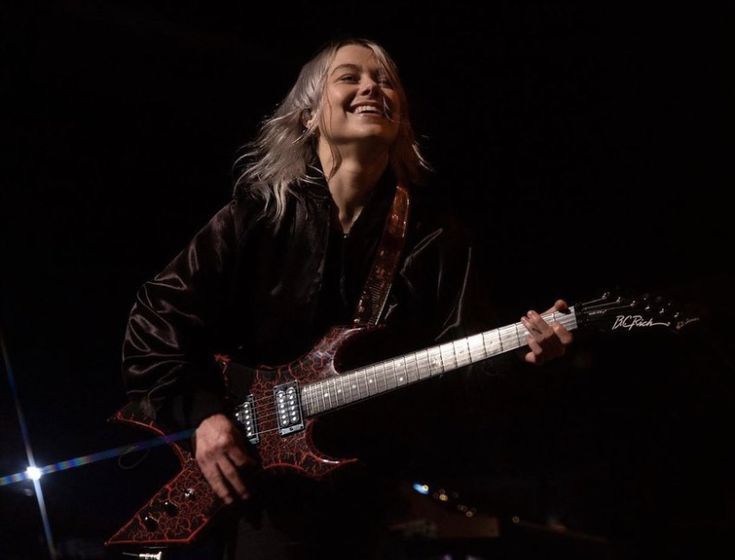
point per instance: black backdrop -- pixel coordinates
(584, 145)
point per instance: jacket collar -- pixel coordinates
(320, 189)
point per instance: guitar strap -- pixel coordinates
(385, 263)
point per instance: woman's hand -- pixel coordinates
(546, 341)
(221, 455)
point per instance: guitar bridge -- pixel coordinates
(245, 416)
(288, 408)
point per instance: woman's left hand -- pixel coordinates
(546, 341)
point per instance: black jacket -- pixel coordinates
(265, 294)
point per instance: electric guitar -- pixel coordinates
(277, 407)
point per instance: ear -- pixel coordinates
(306, 118)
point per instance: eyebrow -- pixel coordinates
(353, 67)
(346, 65)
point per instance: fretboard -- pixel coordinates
(407, 369)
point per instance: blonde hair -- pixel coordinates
(284, 151)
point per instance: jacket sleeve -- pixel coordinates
(167, 364)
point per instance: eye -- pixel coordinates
(384, 81)
(348, 78)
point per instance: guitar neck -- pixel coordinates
(401, 371)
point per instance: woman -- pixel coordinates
(284, 260)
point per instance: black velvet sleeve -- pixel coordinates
(167, 363)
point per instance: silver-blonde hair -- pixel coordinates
(284, 151)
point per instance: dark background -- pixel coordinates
(584, 145)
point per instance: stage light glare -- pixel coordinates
(34, 473)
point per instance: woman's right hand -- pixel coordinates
(221, 455)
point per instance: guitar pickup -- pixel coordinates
(288, 408)
(245, 416)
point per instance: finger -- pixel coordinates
(216, 481)
(536, 355)
(232, 476)
(239, 457)
(535, 324)
(559, 305)
(562, 334)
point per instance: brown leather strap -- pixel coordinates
(375, 292)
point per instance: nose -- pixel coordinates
(368, 86)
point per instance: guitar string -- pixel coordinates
(419, 363)
(565, 319)
(422, 361)
(269, 411)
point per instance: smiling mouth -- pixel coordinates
(369, 111)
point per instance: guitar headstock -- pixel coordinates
(612, 312)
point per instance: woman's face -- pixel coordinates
(360, 103)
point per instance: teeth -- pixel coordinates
(368, 109)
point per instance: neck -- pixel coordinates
(352, 182)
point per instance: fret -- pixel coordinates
(441, 360)
(354, 392)
(509, 333)
(454, 354)
(413, 371)
(500, 340)
(328, 393)
(425, 369)
(306, 404)
(339, 391)
(409, 365)
(457, 356)
(518, 336)
(313, 399)
(380, 386)
(435, 366)
(319, 395)
(444, 350)
(461, 359)
(333, 392)
(393, 378)
(361, 383)
(371, 380)
(414, 374)
(403, 376)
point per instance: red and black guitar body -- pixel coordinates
(185, 505)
